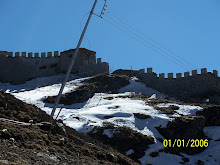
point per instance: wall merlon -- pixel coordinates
(203, 70)
(43, 55)
(99, 60)
(23, 54)
(3, 53)
(10, 54)
(49, 54)
(215, 72)
(161, 75)
(36, 55)
(30, 55)
(170, 75)
(56, 53)
(186, 74)
(149, 70)
(194, 72)
(141, 71)
(179, 75)
(17, 54)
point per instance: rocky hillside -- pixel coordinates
(134, 120)
(21, 143)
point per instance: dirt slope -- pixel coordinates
(47, 145)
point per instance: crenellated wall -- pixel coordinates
(22, 66)
(29, 54)
(189, 84)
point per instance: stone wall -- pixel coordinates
(22, 66)
(192, 84)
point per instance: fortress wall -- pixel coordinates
(193, 85)
(28, 65)
(25, 66)
(182, 86)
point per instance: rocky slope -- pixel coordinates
(32, 144)
(131, 123)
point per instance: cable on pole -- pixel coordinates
(103, 10)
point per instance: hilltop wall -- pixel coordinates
(18, 67)
(184, 86)
(22, 67)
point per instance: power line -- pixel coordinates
(139, 31)
(209, 79)
(142, 41)
(163, 51)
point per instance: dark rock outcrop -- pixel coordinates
(124, 139)
(185, 128)
(96, 84)
(212, 115)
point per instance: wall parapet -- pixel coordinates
(187, 74)
(29, 54)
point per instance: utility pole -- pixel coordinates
(72, 61)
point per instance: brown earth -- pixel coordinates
(184, 127)
(39, 145)
(97, 84)
(124, 139)
(211, 114)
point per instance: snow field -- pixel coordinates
(84, 116)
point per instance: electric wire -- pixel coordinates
(144, 43)
(185, 66)
(211, 79)
(140, 32)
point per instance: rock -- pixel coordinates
(12, 140)
(124, 139)
(212, 115)
(141, 116)
(5, 134)
(97, 84)
(184, 128)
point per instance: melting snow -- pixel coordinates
(84, 116)
(129, 152)
(212, 132)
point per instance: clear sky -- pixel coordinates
(190, 29)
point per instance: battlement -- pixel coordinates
(193, 73)
(6, 54)
(181, 85)
(22, 66)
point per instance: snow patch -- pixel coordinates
(110, 132)
(139, 87)
(129, 152)
(212, 132)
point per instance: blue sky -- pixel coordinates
(188, 28)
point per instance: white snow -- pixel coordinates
(37, 82)
(84, 116)
(183, 109)
(129, 152)
(141, 88)
(212, 132)
(109, 132)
